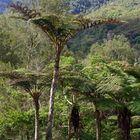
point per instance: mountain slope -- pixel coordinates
(118, 8)
(77, 6)
(127, 10)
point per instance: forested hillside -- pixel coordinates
(70, 70)
(127, 10)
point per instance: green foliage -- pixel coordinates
(26, 48)
(135, 121)
(66, 61)
(117, 48)
(14, 122)
(7, 44)
(58, 7)
(82, 42)
(118, 8)
(135, 133)
(135, 106)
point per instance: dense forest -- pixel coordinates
(70, 70)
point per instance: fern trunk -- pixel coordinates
(124, 123)
(98, 125)
(36, 104)
(52, 95)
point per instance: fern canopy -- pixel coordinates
(59, 28)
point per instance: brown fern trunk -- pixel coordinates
(52, 95)
(98, 125)
(36, 104)
(124, 123)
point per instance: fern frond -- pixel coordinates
(25, 11)
(83, 24)
(134, 72)
(88, 23)
(27, 80)
(58, 28)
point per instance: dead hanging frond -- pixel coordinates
(74, 118)
(25, 11)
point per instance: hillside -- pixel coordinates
(126, 10)
(76, 6)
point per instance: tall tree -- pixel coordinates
(60, 30)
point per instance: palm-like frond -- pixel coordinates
(88, 23)
(118, 84)
(75, 82)
(58, 28)
(134, 72)
(28, 81)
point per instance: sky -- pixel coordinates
(4, 4)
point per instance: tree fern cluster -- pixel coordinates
(54, 92)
